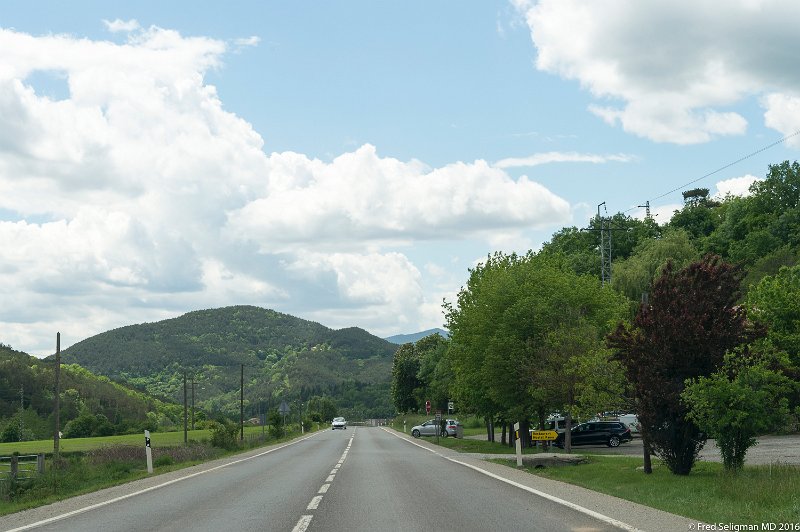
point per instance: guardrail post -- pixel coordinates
(40, 463)
(14, 466)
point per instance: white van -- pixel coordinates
(631, 421)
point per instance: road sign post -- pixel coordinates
(148, 452)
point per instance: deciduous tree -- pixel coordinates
(691, 321)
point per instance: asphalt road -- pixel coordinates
(358, 479)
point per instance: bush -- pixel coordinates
(163, 460)
(223, 434)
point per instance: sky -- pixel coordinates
(349, 162)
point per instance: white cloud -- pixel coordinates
(361, 197)
(561, 157)
(669, 71)
(118, 25)
(736, 186)
(244, 42)
(139, 197)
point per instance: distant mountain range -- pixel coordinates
(414, 337)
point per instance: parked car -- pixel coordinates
(610, 433)
(451, 426)
(431, 427)
(338, 423)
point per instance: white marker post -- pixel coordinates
(519, 445)
(148, 451)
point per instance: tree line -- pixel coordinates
(698, 331)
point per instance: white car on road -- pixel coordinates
(339, 423)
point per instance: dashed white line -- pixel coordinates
(314, 504)
(324, 488)
(302, 524)
(330, 478)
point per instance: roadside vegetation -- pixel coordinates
(711, 494)
(694, 326)
(98, 463)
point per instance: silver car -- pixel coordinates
(429, 428)
(339, 423)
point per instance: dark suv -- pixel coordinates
(610, 433)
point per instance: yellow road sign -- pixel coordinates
(543, 435)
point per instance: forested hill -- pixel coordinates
(217, 337)
(90, 404)
(284, 358)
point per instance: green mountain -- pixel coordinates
(90, 404)
(284, 358)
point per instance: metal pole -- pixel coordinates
(57, 412)
(192, 402)
(185, 417)
(241, 406)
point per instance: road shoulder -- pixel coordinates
(635, 515)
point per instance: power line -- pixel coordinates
(737, 161)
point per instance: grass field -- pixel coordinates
(157, 439)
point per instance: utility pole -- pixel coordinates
(605, 247)
(241, 406)
(192, 401)
(21, 409)
(57, 409)
(185, 417)
(646, 209)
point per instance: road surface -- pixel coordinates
(357, 479)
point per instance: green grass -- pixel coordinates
(463, 445)
(67, 445)
(757, 494)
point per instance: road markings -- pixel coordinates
(302, 524)
(151, 488)
(581, 509)
(305, 520)
(314, 504)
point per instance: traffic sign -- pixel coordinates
(450, 407)
(427, 407)
(543, 435)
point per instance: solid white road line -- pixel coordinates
(151, 488)
(592, 513)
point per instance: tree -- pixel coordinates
(691, 321)
(775, 302)
(434, 373)
(735, 404)
(635, 275)
(509, 332)
(405, 367)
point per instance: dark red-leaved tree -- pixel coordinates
(691, 320)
